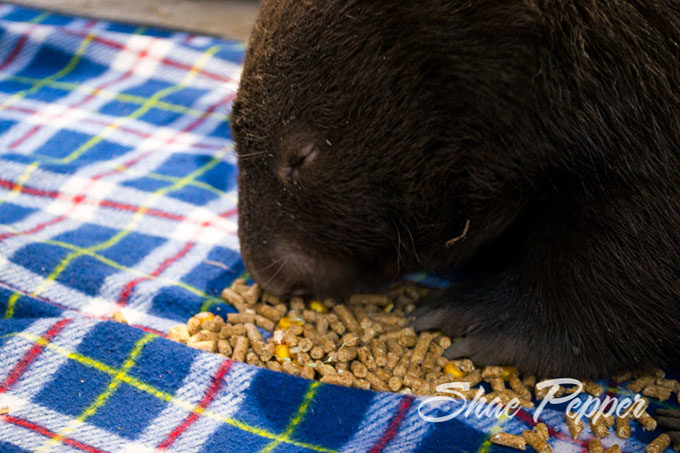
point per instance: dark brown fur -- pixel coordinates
(370, 132)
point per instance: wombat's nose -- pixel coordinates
(285, 270)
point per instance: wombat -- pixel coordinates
(533, 145)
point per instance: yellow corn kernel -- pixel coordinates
(389, 307)
(318, 306)
(508, 372)
(282, 352)
(453, 370)
(287, 322)
(204, 316)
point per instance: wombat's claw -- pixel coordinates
(427, 317)
(438, 311)
(473, 348)
(459, 349)
(669, 419)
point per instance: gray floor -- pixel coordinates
(227, 18)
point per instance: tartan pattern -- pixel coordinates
(118, 192)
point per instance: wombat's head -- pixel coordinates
(348, 175)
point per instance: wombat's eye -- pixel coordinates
(296, 160)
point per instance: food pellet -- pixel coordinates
(376, 383)
(224, 348)
(350, 339)
(252, 358)
(593, 389)
(203, 345)
(240, 348)
(338, 379)
(613, 449)
(233, 298)
(639, 384)
(534, 440)
(346, 354)
(418, 385)
(542, 430)
(659, 444)
(269, 312)
(623, 427)
(379, 351)
(497, 384)
(444, 342)
(599, 426)
(290, 368)
(625, 376)
(473, 378)
(518, 387)
(657, 391)
(347, 318)
(574, 424)
(251, 294)
(307, 372)
(366, 357)
(492, 372)
(179, 333)
(595, 446)
(395, 383)
(647, 422)
(509, 440)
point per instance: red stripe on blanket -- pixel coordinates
(32, 230)
(127, 291)
(31, 355)
(393, 427)
(14, 289)
(47, 433)
(215, 384)
(16, 50)
(229, 213)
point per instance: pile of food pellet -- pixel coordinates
(366, 343)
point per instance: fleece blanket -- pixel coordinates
(118, 192)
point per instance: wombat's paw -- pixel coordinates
(462, 309)
(483, 349)
(441, 312)
(479, 323)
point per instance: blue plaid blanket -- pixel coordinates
(118, 193)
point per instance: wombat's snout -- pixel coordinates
(288, 269)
